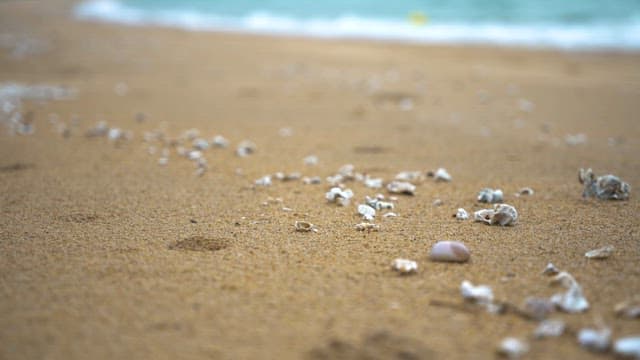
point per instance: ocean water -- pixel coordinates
(564, 24)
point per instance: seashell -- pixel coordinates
(367, 226)
(311, 160)
(373, 183)
(437, 202)
(219, 141)
(481, 294)
(378, 203)
(339, 196)
(194, 154)
(550, 269)
(607, 187)
(264, 181)
(390, 214)
(595, 339)
(311, 180)
(601, 253)
(628, 346)
(572, 301)
(400, 187)
(404, 266)
(200, 144)
(452, 251)
(163, 161)
(304, 226)
(287, 177)
(513, 348)
(549, 328)
(538, 308)
(501, 214)
(114, 134)
(526, 191)
(409, 176)
(245, 148)
(491, 196)
(461, 214)
(442, 175)
(367, 212)
(629, 309)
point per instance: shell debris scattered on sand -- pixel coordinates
(368, 213)
(401, 187)
(339, 196)
(305, 226)
(449, 251)
(595, 339)
(513, 348)
(549, 328)
(404, 266)
(606, 187)
(601, 253)
(490, 196)
(501, 214)
(628, 346)
(572, 300)
(367, 227)
(461, 214)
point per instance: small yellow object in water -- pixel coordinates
(418, 18)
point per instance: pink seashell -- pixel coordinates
(453, 251)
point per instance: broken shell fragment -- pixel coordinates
(490, 196)
(501, 214)
(595, 339)
(549, 328)
(245, 148)
(606, 187)
(461, 214)
(264, 181)
(550, 269)
(442, 175)
(219, 141)
(450, 251)
(378, 203)
(404, 266)
(401, 187)
(601, 253)
(628, 346)
(409, 176)
(367, 226)
(304, 226)
(629, 309)
(513, 348)
(527, 191)
(339, 196)
(367, 212)
(373, 183)
(482, 294)
(571, 301)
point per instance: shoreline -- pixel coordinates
(110, 255)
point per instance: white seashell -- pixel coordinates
(390, 214)
(462, 214)
(501, 214)
(311, 160)
(452, 251)
(491, 196)
(378, 204)
(404, 266)
(550, 269)
(219, 141)
(481, 294)
(194, 154)
(264, 181)
(601, 253)
(304, 226)
(367, 227)
(607, 187)
(571, 301)
(550, 328)
(409, 176)
(245, 148)
(346, 171)
(114, 134)
(367, 212)
(373, 183)
(200, 144)
(339, 196)
(399, 187)
(442, 175)
(595, 340)
(513, 348)
(628, 346)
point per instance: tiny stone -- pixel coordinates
(442, 175)
(450, 251)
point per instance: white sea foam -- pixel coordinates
(616, 36)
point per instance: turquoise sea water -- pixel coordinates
(568, 24)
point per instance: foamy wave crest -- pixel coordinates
(619, 36)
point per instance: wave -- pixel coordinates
(596, 36)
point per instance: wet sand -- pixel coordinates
(106, 254)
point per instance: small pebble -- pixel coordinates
(450, 251)
(527, 191)
(311, 160)
(404, 266)
(442, 175)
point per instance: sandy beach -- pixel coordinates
(105, 254)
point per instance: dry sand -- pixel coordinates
(100, 257)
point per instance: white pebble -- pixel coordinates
(219, 141)
(513, 348)
(404, 266)
(628, 346)
(452, 251)
(264, 181)
(491, 196)
(367, 226)
(339, 196)
(311, 160)
(462, 214)
(442, 175)
(367, 212)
